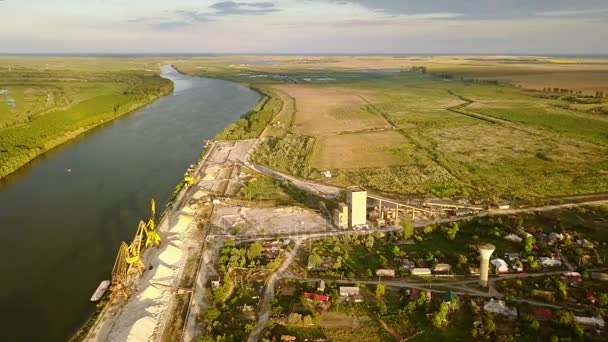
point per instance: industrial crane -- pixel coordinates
(128, 265)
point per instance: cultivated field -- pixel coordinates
(449, 129)
(325, 110)
(386, 148)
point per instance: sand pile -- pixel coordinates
(170, 256)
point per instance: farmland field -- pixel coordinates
(47, 101)
(452, 129)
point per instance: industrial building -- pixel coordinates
(341, 216)
(356, 199)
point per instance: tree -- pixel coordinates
(255, 250)
(602, 299)
(407, 229)
(382, 309)
(338, 263)
(369, 242)
(462, 261)
(308, 320)
(441, 315)
(450, 231)
(294, 319)
(564, 319)
(380, 290)
(529, 244)
(377, 235)
(490, 324)
(314, 261)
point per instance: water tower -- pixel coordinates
(485, 251)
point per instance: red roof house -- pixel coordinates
(543, 313)
(313, 296)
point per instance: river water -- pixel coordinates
(63, 216)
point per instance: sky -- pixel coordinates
(305, 26)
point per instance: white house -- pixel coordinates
(347, 291)
(500, 265)
(421, 272)
(549, 262)
(513, 237)
(595, 321)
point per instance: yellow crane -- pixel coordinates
(152, 236)
(128, 265)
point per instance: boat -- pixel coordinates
(101, 289)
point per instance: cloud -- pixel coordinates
(224, 8)
(170, 25)
(482, 9)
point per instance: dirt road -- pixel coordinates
(265, 307)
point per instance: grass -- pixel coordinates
(53, 104)
(290, 154)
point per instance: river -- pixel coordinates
(63, 216)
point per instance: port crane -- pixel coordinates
(128, 265)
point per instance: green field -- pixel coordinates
(448, 132)
(45, 102)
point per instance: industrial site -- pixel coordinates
(255, 254)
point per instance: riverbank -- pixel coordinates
(70, 108)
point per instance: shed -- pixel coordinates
(421, 272)
(442, 268)
(347, 291)
(385, 273)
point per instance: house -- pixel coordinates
(421, 272)
(572, 277)
(327, 174)
(512, 256)
(517, 266)
(543, 314)
(406, 263)
(474, 270)
(599, 276)
(385, 273)
(500, 265)
(514, 238)
(593, 321)
(450, 297)
(503, 206)
(349, 291)
(442, 268)
(591, 297)
(215, 284)
(549, 262)
(500, 308)
(321, 286)
(315, 296)
(553, 237)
